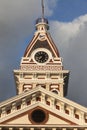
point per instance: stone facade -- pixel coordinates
(41, 85)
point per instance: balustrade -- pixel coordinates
(46, 99)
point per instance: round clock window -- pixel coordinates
(38, 116)
(41, 56)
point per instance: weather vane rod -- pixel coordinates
(42, 3)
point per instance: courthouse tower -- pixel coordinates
(41, 87)
(41, 64)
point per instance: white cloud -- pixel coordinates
(66, 31)
(71, 39)
(49, 6)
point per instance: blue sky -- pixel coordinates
(67, 10)
(68, 27)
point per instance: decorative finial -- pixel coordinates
(42, 9)
(42, 21)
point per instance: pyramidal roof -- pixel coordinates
(42, 37)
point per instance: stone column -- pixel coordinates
(14, 108)
(43, 98)
(10, 128)
(3, 114)
(63, 128)
(42, 128)
(33, 99)
(75, 128)
(62, 107)
(52, 102)
(34, 85)
(23, 103)
(72, 111)
(53, 128)
(31, 128)
(20, 88)
(82, 117)
(61, 89)
(20, 128)
(48, 86)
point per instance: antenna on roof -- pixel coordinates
(42, 3)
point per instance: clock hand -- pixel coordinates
(40, 57)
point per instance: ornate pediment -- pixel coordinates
(38, 116)
(50, 108)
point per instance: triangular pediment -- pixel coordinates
(27, 118)
(42, 40)
(59, 110)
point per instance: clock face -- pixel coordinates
(41, 56)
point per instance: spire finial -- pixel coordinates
(42, 21)
(42, 3)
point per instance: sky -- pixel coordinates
(68, 27)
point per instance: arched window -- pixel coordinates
(41, 85)
(54, 91)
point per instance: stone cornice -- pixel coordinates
(45, 127)
(48, 100)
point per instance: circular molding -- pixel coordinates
(38, 116)
(43, 50)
